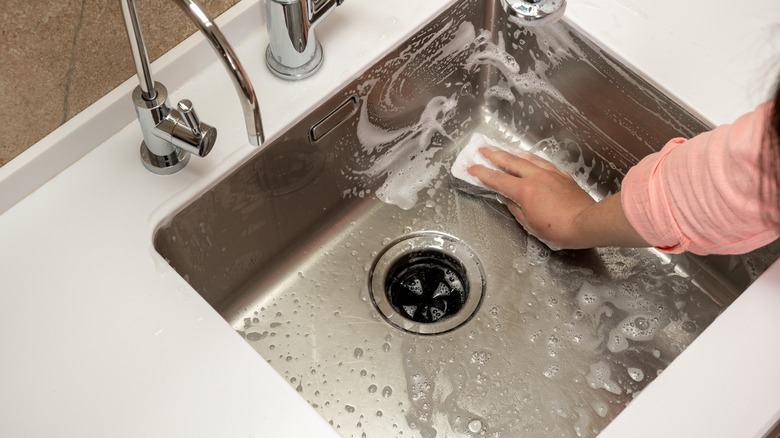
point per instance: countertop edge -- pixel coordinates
(742, 337)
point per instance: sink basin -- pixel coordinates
(398, 305)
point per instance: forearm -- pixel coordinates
(605, 224)
(703, 195)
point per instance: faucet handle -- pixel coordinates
(203, 136)
(191, 118)
(182, 128)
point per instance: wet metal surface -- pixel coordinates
(560, 341)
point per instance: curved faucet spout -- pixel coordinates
(238, 75)
(171, 134)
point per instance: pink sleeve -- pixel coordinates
(702, 195)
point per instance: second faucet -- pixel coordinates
(293, 50)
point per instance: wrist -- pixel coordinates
(604, 223)
(584, 234)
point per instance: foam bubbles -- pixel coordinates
(589, 297)
(638, 327)
(636, 374)
(500, 92)
(600, 377)
(409, 164)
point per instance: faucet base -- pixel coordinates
(294, 73)
(164, 164)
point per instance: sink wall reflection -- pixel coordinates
(284, 247)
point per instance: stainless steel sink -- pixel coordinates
(298, 247)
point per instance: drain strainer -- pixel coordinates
(427, 283)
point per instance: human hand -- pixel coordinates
(545, 200)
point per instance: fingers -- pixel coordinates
(520, 167)
(539, 161)
(508, 180)
(516, 177)
(501, 182)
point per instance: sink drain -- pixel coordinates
(427, 283)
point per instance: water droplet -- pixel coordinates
(372, 389)
(689, 326)
(642, 323)
(358, 353)
(475, 426)
(254, 336)
(387, 391)
(480, 357)
(636, 374)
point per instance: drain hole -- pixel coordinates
(427, 283)
(427, 286)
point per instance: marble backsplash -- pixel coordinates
(58, 57)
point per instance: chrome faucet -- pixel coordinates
(293, 51)
(171, 135)
(534, 12)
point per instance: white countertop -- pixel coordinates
(100, 337)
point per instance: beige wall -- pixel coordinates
(58, 57)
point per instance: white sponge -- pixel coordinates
(470, 155)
